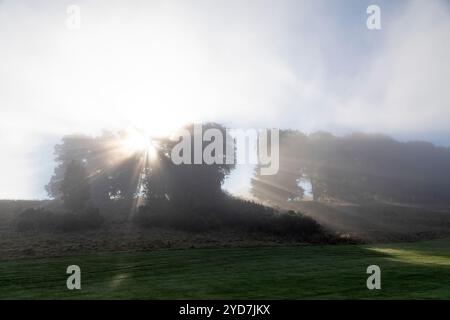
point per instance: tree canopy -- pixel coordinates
(117, 174)
(357, 168)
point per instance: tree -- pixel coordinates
(116, 173)
(186, 185)
(358, 168)
(284, 186)
(75, 187)
(113, 171)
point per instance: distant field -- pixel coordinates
(409, 270)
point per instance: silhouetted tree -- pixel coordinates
(114, 172)
(284, 186)
(186, 185)
(358, 168)
(75, 187)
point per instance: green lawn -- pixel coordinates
(413, 270)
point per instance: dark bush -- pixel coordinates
(294, 224)
(39, 219)
(36, 219)
(73, 221)
(232, 214)
(159, 214)
(166, 215)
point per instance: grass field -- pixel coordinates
(409, 270)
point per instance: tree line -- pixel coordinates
(354, 168)
(357, 168)
(97, 171)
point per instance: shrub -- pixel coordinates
(35, 219)
(296, 225)
(39, 219)
(230, 213)
(164, 214)
(158, 214)
(83, 220)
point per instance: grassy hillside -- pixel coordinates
(409, 270)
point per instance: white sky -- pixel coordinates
(155, 65)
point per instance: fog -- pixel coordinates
(309, 65)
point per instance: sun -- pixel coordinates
(137, 142)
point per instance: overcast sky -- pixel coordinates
(308, 65)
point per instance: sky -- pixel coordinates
(156, 65)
